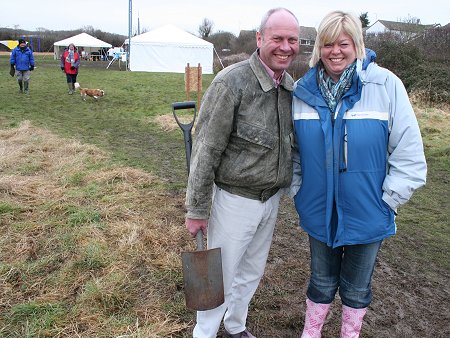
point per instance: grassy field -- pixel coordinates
(121, 123)
(91, 217)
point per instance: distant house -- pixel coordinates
(403, 29)
(307, 36)
(307, 39)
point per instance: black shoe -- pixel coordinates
(243, 334)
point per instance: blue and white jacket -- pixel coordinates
(369, 162)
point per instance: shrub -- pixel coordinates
(424, 74)
(229, 60)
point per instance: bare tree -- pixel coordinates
(88, 29)
(205, 29)
(410, 19)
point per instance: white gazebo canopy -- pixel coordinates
(82, 41)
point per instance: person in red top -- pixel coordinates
(70, 62)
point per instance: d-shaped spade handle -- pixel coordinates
(185, 127)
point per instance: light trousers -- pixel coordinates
(23, 75)
(243, 229)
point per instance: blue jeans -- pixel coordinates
(348, 268)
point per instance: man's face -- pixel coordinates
(22, 45)
(278, 44)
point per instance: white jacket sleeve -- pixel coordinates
(297, 174)
(297, 170)
(406, 165)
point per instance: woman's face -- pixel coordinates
(337, 55)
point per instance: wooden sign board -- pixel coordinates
(193, 82)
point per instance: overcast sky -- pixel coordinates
(230, 15)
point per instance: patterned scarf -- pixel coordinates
(70, 57)
(332, 91)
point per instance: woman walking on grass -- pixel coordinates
(70, 62)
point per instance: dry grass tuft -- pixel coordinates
(167, 122)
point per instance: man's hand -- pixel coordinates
(194, 225)
(31, 67)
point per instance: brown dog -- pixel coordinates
(94, 93)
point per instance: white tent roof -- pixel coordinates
(83, 40)
(168, 35)
(169, 49)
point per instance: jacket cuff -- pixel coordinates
(197, 214)
(391, 200)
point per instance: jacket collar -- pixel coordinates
(307, 88)
(264, 78)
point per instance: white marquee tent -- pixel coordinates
(169, 49)
(81, 41)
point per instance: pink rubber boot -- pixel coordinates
(351, 321)
(314, 319)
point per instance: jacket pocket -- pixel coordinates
(255, 135)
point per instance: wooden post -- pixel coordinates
(187, 80)
(199, 86)
(193, 82)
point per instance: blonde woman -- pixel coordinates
(360, 156)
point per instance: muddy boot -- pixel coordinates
(314, 319)
(25, 87)
(352, 320)
(20, 86)
(70, 85)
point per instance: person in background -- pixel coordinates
(360, 156)
(70, 62)
(242, 153)
(22, 60)
(84, 54)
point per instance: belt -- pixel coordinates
(263, 196)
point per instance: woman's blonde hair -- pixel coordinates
(333, 24)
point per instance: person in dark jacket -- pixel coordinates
(22, 60)
(70, 62)
(360, 156)
(242, 153)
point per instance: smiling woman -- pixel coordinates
(357, 116)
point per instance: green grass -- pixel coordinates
(121, 122)
(37, 318)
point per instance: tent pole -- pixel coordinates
(219, 58)
(129, 33)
